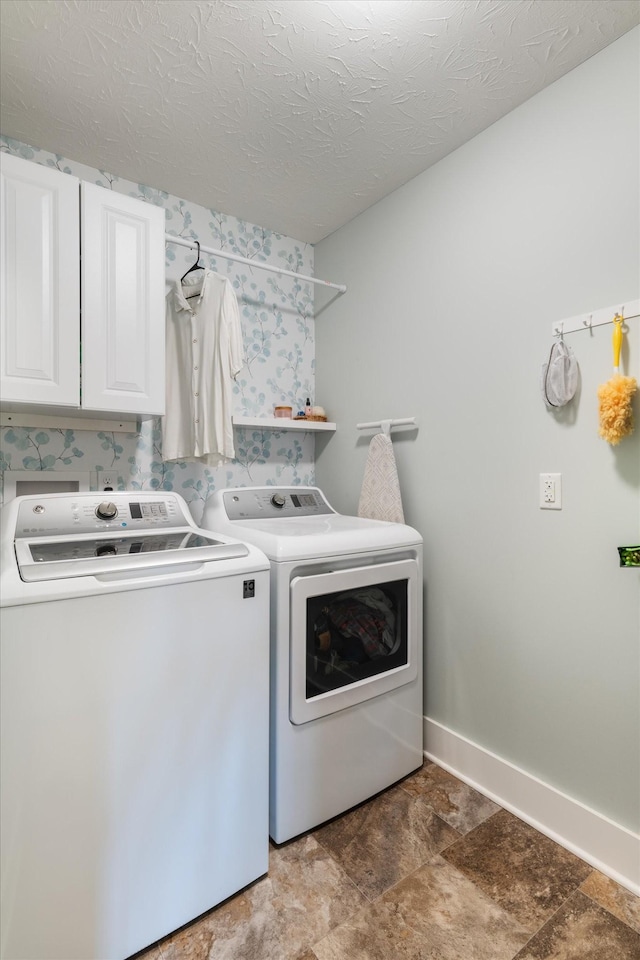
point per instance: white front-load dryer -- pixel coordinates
(346, 649)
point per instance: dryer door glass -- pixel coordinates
(354, 636)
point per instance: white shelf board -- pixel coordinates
(283, 423)
(62, 422)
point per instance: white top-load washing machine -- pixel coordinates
(134, 696)
(346, 649)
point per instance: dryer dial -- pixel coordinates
(278, 500)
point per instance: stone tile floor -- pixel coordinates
(427, 870)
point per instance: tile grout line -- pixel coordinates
(371, 903)
(420, 866)
(411, 872)
(412, 796)
(463, 836)
(343, 871)
(547, 921)
(432, 763)
(601, 905)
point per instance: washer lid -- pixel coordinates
(61, 557)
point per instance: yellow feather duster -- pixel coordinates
(616, 415)
(615, 396)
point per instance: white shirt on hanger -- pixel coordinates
(204, 354)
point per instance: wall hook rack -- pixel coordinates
(630, 310)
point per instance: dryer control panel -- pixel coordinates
(262, 503)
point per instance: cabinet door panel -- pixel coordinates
(122, 303)
(40, 304)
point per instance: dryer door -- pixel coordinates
(354, 636)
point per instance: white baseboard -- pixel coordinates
(605, 845)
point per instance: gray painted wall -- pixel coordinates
(532, 630)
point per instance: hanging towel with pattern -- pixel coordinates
(380, 495)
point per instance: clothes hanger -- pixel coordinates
(194, 266)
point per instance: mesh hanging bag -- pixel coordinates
(559, 375)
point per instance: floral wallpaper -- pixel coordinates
(278, 331)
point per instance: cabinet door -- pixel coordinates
(122, 303)
(39, 276)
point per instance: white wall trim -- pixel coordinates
(605, 845)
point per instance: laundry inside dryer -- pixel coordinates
(355, 634)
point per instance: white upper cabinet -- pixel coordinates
(122, 299)
(121, 337)
(40, 289)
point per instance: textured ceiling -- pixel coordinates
(292, 114)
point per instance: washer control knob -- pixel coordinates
(278, 500)
(106, 511)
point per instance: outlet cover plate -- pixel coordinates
(550, 491)
(109, 479)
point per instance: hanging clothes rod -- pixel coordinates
(405, 421)
(184, 242)
(586, 321)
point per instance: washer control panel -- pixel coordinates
(261, 503)
(51, 515)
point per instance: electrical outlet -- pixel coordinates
(550, 491)
(109, 480)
